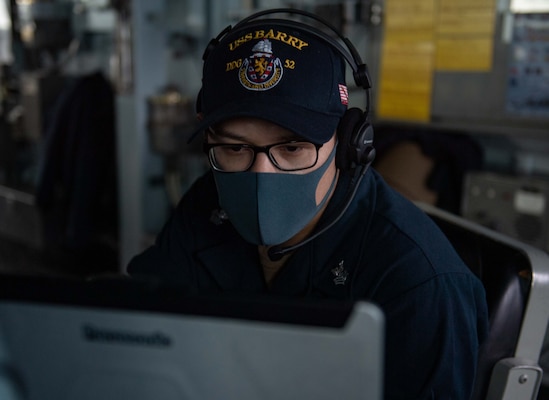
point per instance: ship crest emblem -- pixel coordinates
(262, 70)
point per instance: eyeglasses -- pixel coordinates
(292, 155)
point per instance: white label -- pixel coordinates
(529, 203)
(528, 6)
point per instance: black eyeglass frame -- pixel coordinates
(207, 147)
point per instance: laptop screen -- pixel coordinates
(120, 339)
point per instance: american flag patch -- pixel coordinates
(343, 94)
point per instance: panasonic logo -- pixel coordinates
(154, 339)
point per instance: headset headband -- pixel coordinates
(360, 69)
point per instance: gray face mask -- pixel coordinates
(270, 208)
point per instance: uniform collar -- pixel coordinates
(233, 266)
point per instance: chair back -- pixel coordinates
(509, 271)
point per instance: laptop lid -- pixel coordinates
(79, 340)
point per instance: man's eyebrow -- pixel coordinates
(220, 132)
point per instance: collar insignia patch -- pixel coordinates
(340, 274)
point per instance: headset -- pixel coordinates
(355, 151)
(355, 132)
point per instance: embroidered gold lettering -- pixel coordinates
(290, 64)
(241, 40)
(270, 35)
(234, 64)
(261, 34)
(297, 43)
(281, 36)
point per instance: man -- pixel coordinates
(290, 208)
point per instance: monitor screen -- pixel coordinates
(122, 339)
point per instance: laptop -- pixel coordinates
(124, 339)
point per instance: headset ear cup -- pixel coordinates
(365, 143)
(346, 132)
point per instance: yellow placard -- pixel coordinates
(464, 54)
(424, 36)
(464, 35)
(407, 60)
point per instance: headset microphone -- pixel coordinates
(275, 253)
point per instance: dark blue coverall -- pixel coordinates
(387, 251)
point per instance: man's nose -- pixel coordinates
(262, 163)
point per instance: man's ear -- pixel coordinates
(199, 116)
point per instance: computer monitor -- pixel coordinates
(118, 339)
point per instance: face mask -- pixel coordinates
(270, 208)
